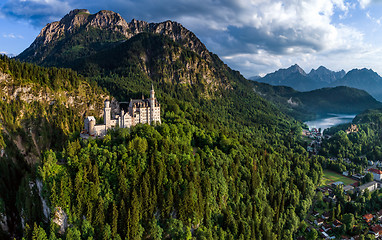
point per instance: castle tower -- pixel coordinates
(107, 114)
(152, 104)
(122, 119)
(92, 131)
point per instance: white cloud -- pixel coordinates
(12, 35)
(38, 12)
(364, 3)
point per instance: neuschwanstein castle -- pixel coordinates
(137, 111)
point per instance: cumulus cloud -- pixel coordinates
(38, 12)
(364, 3)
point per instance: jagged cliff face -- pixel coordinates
(80, 33)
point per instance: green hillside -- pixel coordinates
(308, 105)
(224, 163)
(179, 74)
(40, 109)
(192, 176)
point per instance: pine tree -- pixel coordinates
(114, 221)
(123, 219)
(134, 217)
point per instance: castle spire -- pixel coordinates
(152, 92)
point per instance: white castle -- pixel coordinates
(138, 111)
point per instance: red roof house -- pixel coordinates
(368, 217)
(377, 174)
(337, 223)
(377, 230)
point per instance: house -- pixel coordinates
(379, 214)
(358, 176)
(352, 129)
(368, 217)
(326, 215)
(348, 188)
(337, 223)
(319, 221)
(315, 213)
(326, 227)
(325, 235)
(346, 173)
(377, 174)
(332, 197)
(376, 230)
(335, 184)
(371, 186)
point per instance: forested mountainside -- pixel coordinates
(309, 105)
(190, 177)
(129, 69)
(165, 54)
(224, 163)
(40, 109)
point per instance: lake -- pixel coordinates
(330, 120)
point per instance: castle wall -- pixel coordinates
(100, 130)
(143, 111)
(113, 123)
(156, 115)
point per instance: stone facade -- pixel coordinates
(145, 111)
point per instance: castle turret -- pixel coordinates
(152, 104)
(92, 131)
(152, 92)
(107, 114)
(122, 119)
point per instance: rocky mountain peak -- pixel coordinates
(111, 23)
(324, 75)
(296, 68)
(363, 73)
(74, 13)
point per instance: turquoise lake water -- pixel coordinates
(330, 121)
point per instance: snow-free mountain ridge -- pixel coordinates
(295, 77)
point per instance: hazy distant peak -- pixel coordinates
(325, 75)
(296, 68)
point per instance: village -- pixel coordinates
(325, 218)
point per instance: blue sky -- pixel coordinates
(252, 36)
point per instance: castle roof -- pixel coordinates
(90, 118)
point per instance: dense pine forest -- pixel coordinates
(190, 177)
(40, 109)
(224, 164)
(178, 180)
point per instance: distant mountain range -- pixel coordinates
(297, 78)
